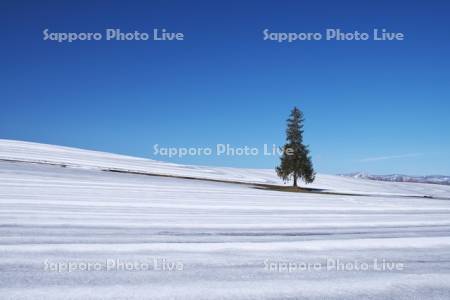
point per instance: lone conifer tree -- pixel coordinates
(295, 160)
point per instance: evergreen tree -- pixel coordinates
(295, 160)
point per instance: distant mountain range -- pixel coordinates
(435, 179)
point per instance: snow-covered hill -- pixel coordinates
(74, 158)
(61, 207)
(435, 179)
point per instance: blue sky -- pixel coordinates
(380, 107)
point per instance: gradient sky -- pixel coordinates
(379, 107)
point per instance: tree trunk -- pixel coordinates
(295, 180)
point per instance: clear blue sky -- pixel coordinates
(380, 107)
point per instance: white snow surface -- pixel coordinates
(60, 206)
